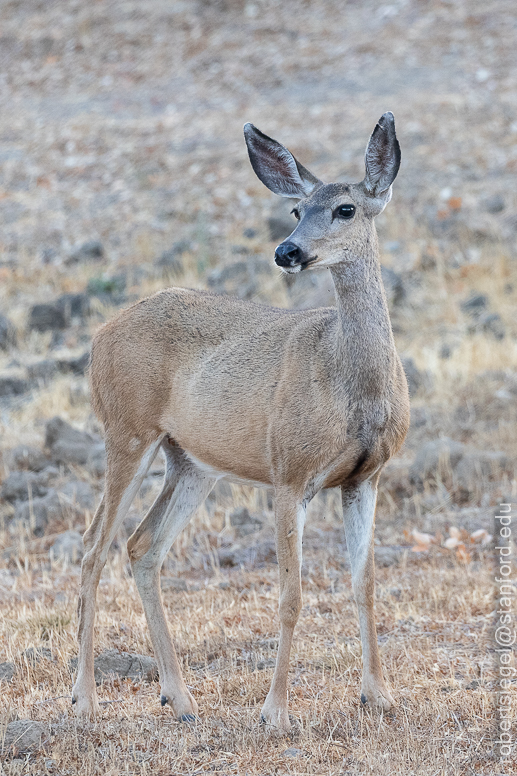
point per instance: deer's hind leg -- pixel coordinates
(125, 470)
(184, 490)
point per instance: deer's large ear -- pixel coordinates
(276, 166)
(382, 158)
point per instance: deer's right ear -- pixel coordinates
(276, 167)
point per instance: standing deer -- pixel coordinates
(296, 400)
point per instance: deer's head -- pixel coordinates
(334, 219)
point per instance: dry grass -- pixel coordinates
(434, 616)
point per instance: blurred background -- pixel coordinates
(123, 170)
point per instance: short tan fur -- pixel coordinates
(296, 400)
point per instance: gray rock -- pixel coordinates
(75, 365)
(70, 503)
(24, 735)
(21, 485)
(74, 306)
(122, 664)
(393, 285)
(7, 671)
(13, 384)
(7, 333)
(38, 512)
(34, 655)
(435, 459)
(78, 495)
(239, 279)
(388, 555)
(446, 458)
(292, 752)
(475, 305)
(494, 204)
(68, 445)
(92, 250)
(417, 380)
(25, 457)
(476, 467)
(69, 546)
(260, 554)
(170, 259)
(491, 323)
(43, 371)
(243, 522)
(46, 317)
(173, 585)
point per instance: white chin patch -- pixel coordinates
(292, 270)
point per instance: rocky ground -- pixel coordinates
(123, 170)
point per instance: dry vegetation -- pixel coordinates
(122, 123)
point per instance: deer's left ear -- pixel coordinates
(382, 158)
(276, 167)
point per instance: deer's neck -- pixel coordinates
(365, 349)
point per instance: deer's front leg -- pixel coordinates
(359, 519)
(289, 519)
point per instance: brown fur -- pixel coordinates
(297, 400)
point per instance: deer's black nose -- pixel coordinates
(287, 254)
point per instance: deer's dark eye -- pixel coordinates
(296, 213)
(345, 211)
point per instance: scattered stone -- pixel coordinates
(477, 466)
(475, 305)
(7, 671)
(240, 278)
(38, 512)
(494, 204)
(76, 365)
(68, 546)
(72, 501)
(170, 259)
(7, 333)
(260, 554)
(292, 752)
(417, 380)
(74, 306)
(249, 233)
(13, 384)
(491, 323)
(393, 285)
(388, 555)
(446, 458)
(435, 459)
(173, 585)
(89, 251)
(24, 735)
(46, 317)
(124, 665)
(243, 522)
(25, 457)
(34, 655)
(22, 485)
(68, 445)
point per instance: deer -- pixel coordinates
(293, 400)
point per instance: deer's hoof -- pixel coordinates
(378, 698)
(275, 717)
(184, 705)
(86, 706)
